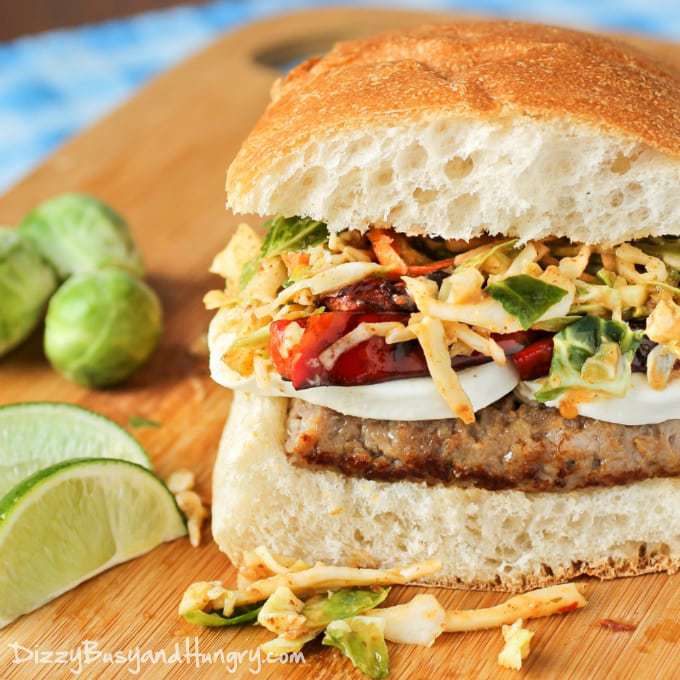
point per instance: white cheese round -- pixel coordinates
(405, 399)
(411, 398)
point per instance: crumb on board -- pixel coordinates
(191, 505)
(181, 484)
(181, 480)
(517, 645)
(617, 626)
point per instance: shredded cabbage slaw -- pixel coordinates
(490, 286)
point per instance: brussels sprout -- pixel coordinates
(592, 354)
(361, 639)
(78, 233)
(26, 283)
(102, 326)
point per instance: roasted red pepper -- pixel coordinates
(375, 361)
(511, 343)
(534, 361)
(370, 295)
(371, 361)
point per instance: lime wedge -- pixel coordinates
(34, 436)
(73, 520)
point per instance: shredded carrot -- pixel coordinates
(391, 250)
(385, 252)
(424, 269)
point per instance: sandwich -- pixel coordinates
(459, 337)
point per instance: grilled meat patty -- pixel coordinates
(511, 446)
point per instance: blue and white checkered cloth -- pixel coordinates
(53, 84)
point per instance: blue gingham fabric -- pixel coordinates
(53, 84)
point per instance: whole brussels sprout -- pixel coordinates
(78, 233)
(26, 283)
(102, 326)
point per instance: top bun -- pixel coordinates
(454, 130)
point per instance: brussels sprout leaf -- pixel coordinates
(555, 325)
(361, 640)
(526, 297)
(593, 354)
(241, 616)
(320, 610)
(286, 235)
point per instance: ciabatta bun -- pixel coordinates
(496, 540)
(453, 130)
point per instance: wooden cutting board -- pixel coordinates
(161, 160)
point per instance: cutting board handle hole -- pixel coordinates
(285, 55)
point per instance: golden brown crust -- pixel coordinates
(605, 571)
(481, 69)
(653, 563)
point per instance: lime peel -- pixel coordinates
(35, 435)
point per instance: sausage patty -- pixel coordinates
(511, 446)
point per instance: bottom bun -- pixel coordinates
(490, 540)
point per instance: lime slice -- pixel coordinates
(34, 436)
(73, 520)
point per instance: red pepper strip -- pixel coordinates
(320, 331)
(375, 361)
(515, 342)
(371, 361)
(510, 343)
(534, 361)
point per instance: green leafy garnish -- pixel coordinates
(593, 354)
(361, 640)
(590, 308)
(320, 610)
(557, 324)
(480, 259)
(525, 297)
(286, 235)
(241, 616)
(140, 421)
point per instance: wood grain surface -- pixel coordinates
(21, 18)
(161, 160)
